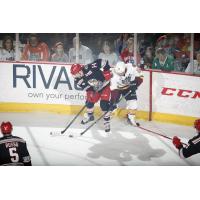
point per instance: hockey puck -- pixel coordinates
(71, 136)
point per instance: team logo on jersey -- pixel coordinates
(93, 82)
(127, 80)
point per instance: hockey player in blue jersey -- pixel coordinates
(94, 78)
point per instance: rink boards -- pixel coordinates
(49, 87)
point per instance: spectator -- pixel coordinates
(7, 52)
(35, 50)
(163, 61)
(170, 49)
(143, 46)
(121, 42)
(167, 43)
(162, 42)
(108, 54)
(196, 66)
(182, 44)
(178, 42)
(181, 53)
(196, 42)
(148, 57)
(127, 54)
(59, 55)
(85, 54)
(187, 47)
(181, 61)
(98, 46)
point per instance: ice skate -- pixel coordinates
(131, 120)
(87, 117)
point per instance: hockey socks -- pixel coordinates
(107, 122)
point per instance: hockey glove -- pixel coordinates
(177, 142)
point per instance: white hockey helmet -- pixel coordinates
(120, 68)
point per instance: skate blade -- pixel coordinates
(134, 125)
(88, 122)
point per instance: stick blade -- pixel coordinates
(56, 133)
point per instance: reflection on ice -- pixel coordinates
(125, 145)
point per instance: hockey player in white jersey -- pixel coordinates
(126, 79)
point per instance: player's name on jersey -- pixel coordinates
(11, 144)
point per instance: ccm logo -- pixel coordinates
(180, 93)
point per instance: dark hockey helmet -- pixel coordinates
(197, 124)
(75, 68)
(6, 127)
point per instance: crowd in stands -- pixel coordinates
(168, 52)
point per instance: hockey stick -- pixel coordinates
(63, 131)
(74, 118)
(104, 84)
(169, 138)
(102, 115)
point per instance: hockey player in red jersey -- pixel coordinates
(193, 144)
(95, 79)
(13, 149)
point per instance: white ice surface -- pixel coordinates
(125, 145)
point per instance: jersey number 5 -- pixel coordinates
(14, 155)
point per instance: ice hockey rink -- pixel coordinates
(125, 145)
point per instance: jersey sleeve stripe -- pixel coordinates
(12, 140)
